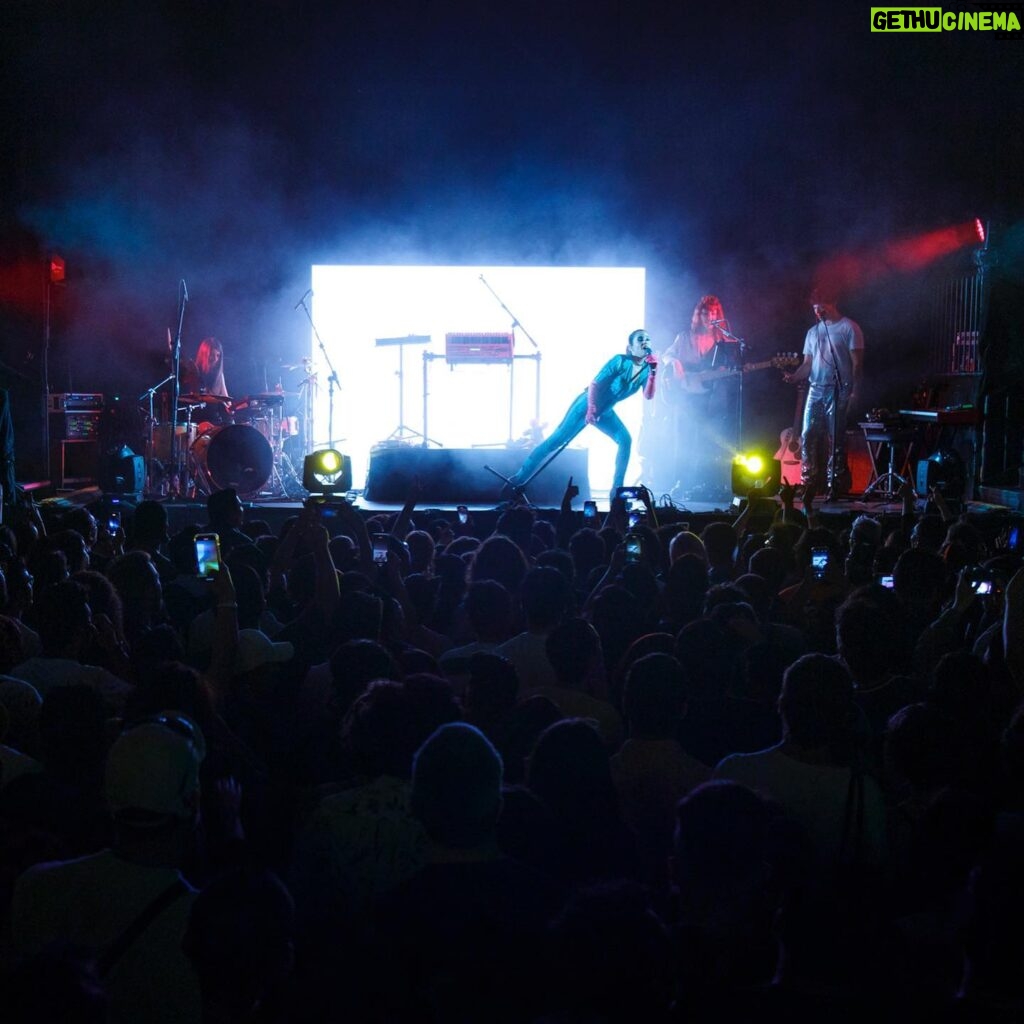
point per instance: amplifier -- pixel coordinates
(81, 426)
(75, 401)
(74, 463)
(495, 347)
(75, 424)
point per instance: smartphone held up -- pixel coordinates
(819, 562)
(208, 560)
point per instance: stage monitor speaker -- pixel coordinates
(122, 472)
(450, 476)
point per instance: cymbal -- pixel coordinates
(205, 399)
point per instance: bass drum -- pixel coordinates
(236, 456)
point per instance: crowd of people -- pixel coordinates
(520, 769)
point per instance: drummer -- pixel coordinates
(210, 366)
(205, 376)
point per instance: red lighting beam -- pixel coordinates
(848, 270)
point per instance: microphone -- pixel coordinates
(718, 323)
(305, 295)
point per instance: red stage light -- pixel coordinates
(56, 270)
(848, 270)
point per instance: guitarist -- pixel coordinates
(833, 342)
(699, 425)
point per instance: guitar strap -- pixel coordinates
(110, 956)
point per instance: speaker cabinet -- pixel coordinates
(74, 463)
(449, 476)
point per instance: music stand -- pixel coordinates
(402, 432)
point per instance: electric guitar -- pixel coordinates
(789, 441)
(672, 388)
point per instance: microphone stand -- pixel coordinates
(512, 364)
(726, 333)
(149, 394)
(332, 378)
(176, 374)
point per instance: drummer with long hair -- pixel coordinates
(210, 367)
(205, 376)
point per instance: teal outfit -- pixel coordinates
(619, 378)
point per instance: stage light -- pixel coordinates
(58, 272)
(327, 471)
(753, 463)
(755, 469)
(979, 229)
(943, 470)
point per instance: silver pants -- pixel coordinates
(820, 412)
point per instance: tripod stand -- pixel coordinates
(517, 492)
(402, 431)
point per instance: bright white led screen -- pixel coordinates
(579, 317)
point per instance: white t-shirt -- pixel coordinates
(846, 337)
(46, 673)
(528, 652)
(814, 795)
(89, 902)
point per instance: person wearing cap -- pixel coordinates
(256, 649)
(129, 904)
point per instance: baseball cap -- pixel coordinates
(256, 649)
(153, 768)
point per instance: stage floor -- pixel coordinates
(180, 512)
(836, 515)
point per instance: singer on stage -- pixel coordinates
(619, 378)
(833, 342)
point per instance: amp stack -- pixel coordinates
(74, 421)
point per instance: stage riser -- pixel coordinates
(457, 475)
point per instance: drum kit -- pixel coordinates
(224, 443)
